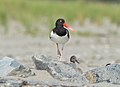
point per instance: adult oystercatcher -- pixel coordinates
(60, 35)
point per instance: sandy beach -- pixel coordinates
(91, 51)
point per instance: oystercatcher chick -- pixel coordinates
(60, 35)
(73, 59)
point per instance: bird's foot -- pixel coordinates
(58, 56)
(61, 59)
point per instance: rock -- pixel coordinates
(10, 82)
(10, 67)
(13, 83)
(62, 71)
(109, 73)
(41, 62)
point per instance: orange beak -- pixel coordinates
(65, 25)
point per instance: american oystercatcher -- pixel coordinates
(73, 59)
(60, 35)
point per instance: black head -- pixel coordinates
(60, 22)
(73, 59)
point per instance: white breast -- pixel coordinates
(59, 39)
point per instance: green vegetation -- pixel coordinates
(27, 11)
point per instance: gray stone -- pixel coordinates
(62, 71)
(12, 82)
(10, 67)
(109, 73)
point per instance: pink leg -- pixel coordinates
(58, 51)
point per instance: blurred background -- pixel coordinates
(28, 16)
(25, 26)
